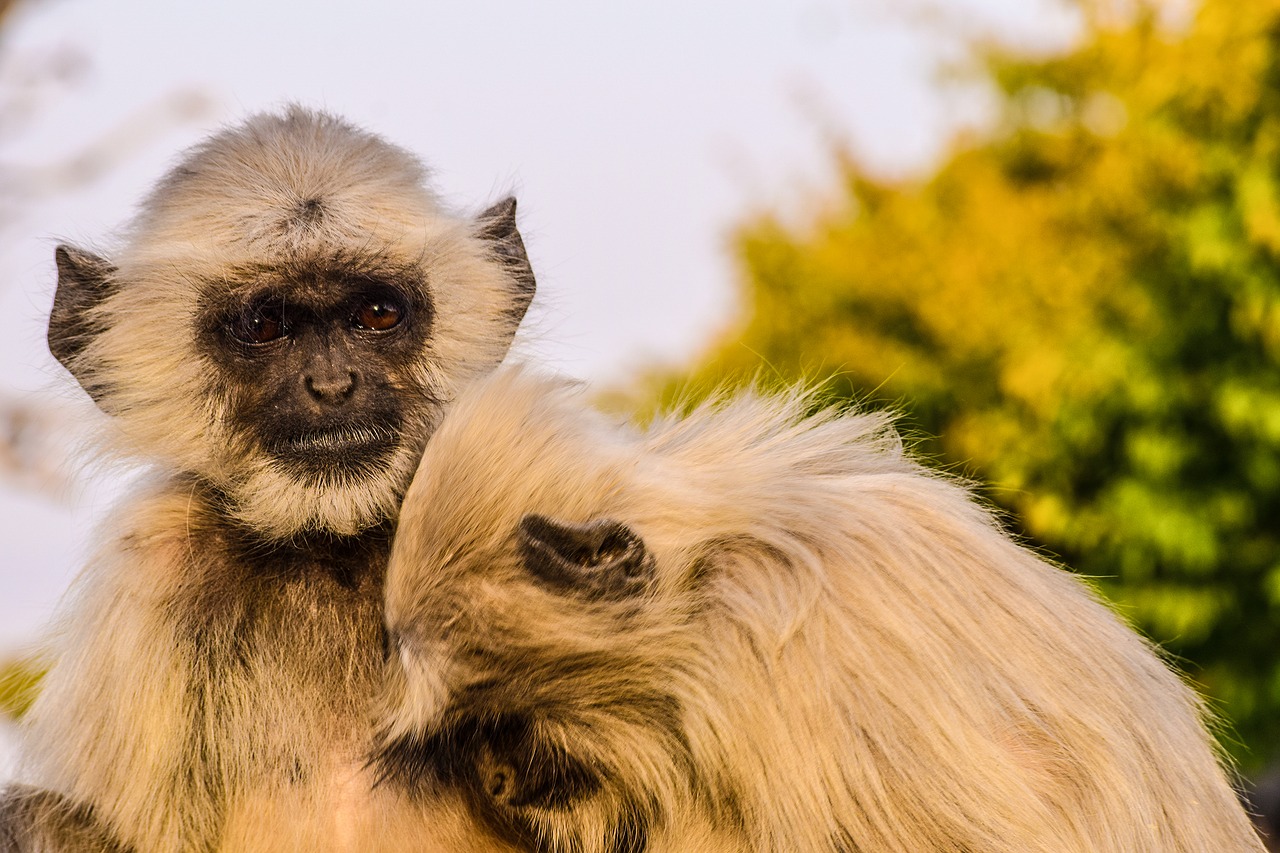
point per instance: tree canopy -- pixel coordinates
(1081, 310)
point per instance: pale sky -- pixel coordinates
(636, 135)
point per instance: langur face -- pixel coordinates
(319, 365)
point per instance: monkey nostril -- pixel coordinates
(336, 388)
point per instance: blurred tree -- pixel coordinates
(19, 679)
(39, 433)
(1084, 306)
(20, 424)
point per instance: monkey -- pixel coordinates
(290, 313)
(759, 628)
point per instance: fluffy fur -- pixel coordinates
(829, 649)
(219, 652)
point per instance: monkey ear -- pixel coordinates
(497, 227)
(84, 281)
(601, 560)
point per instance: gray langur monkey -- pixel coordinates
(288, 318)
(751, 630)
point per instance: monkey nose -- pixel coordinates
(333, 388)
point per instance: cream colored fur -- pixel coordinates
(863, 660)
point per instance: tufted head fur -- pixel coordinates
(772, 629)
(308, 209)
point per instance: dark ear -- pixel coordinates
(599, 560)
(84, 281)
(497, 227)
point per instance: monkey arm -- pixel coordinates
(115, 727)
(33, 820)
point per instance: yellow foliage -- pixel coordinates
(1084, 309)
(19, 681)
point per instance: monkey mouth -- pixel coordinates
(348, 446)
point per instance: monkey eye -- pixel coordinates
(378, 314)
(261, 322)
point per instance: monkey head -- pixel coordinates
(288, 314)
(539, 603)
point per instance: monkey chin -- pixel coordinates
(280, 501)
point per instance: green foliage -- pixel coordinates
(1084, 308)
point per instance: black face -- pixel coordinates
(521, 738)
(319, 366)
(520, 772)
(499, 758)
